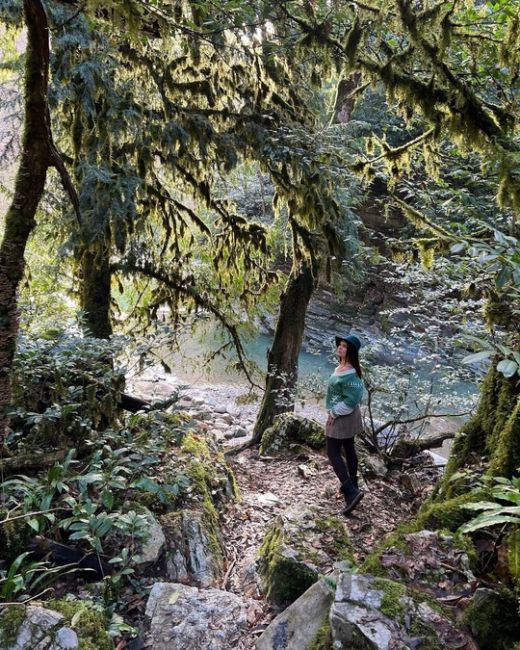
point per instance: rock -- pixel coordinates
(375, 466)
(291, 557)
(65, 639)
(37, 628)
(195, 555)
(297, 626)
(219, 408)
(152, 548)
(240, 432)
(194, 619)
(379, 614)
(288, 429)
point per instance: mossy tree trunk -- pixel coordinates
(282, 362)
(96, 280)
(494, 431)
(29, 186)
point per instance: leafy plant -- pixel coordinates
(496, 512)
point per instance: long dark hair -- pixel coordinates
(353, 358)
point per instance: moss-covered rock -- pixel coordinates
(89, 623)
(285, 574)
(323, 640)
(289, 429)
(449, 514)
(493, 618)
(10, 620)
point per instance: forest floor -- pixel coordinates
(271, 487)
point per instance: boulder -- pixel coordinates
(195, 554)
(289, 429)
(297, 627)
(194, 619)
(379, 614)
(291, 558)
(35, 628)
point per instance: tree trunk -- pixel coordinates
(344, 102)
(494, 431)
(28, 190)
(96, 279)
(282, 364)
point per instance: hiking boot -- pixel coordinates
(352, 495)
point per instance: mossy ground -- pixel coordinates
(11, 618)
(336, 529)
(88, 623)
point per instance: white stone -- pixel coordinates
(194, 619)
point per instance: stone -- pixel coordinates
(358, 628)
(152, 547)
(297, 626)
(193, 557)
(358, 588)
(65, 639)
(194, 619)
(240, 432)
(40, 630)
(289, 429)
(375, 466)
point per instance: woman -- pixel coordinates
(344, 394)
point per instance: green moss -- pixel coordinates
(323, 640)
(448, 514)
(505, 458)
(493, 432)
(429, 639)
(393, 593)
(88, 623)
(495, 622)
(10, 620)
(289, 429)
(372, 563)
(341, 543)
(285, 578)
(14, 537)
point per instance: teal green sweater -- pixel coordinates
(346, 389)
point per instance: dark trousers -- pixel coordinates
(343, 470)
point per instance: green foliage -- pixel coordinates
(64, 388)
(494, 511)
(496, 607)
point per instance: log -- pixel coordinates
(408, 447)
(31, 461)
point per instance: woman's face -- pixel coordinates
(342, 350)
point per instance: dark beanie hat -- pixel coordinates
(351, 338)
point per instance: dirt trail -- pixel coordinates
(271, 486)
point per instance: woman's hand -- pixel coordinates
(330, 420)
